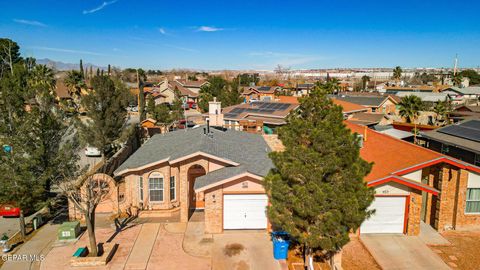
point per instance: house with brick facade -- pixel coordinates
(414, 184)
(218, 171)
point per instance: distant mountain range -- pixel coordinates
(61, 66)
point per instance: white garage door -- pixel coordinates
(389, 216)
(245, 211)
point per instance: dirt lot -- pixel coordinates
(463, 253)
(356, 257)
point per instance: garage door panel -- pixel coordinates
(389, 216)
(245, 211)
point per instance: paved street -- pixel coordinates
(39, 245)
(11, 225)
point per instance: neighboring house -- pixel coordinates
(465, 112)
(428, 97)
(157, 96)
(217, 170)
(418, 89)
(414, 185)
(303, 89)
(262, 93)
(377, 104)
(349, 108)
(465, 95)
(269, 113)
(461, 141)
(185, 93)
(193, 86)
(369, 119)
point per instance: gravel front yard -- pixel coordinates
(356, 257)
(463, 253)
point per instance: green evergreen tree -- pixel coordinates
(150, 105)
(317, 192)
(81, 69)
(106, 110)
(162, 114)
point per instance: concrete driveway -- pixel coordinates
(243, 250)
(398, 252)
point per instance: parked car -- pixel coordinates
(91, 151)
(182, 124)
(9, 210)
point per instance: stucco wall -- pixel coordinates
(214, 200)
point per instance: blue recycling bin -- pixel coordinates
(280, 245)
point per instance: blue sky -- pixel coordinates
(167, 34)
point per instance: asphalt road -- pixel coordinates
(11, 225)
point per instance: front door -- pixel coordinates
(196, 201)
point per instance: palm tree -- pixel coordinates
(365, 80)
(442, 110)
(332, 85)
(397, 73)
(75, 82)
(410, 107)
(42, 81)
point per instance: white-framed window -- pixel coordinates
(140, 188)
(473, 200)
(173, 194)
(155, 187)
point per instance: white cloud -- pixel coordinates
(209, 29)
(162, 31)
(67, 50)
(102, 6)
(28, 22)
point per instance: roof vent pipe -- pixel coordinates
(208, 125)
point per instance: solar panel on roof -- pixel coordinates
(469, 130)
(284, 107)
(475, 124)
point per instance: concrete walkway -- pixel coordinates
(140, 254)
(38, 246)
(430, 236)
(195, 241)
(168, 254)
(250, 250)
(400, 252)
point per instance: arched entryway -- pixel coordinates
(196, 201)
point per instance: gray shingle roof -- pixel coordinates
(364, 100)
(248, 150)
(472, 90)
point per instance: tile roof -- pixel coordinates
(349, 107)
(250, 151)
(192, 84)
(288, 99)
(389, 154)
(183, 90)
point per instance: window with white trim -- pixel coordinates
(155, 188)
(473, 200)
(140, 188)
(173, 195)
